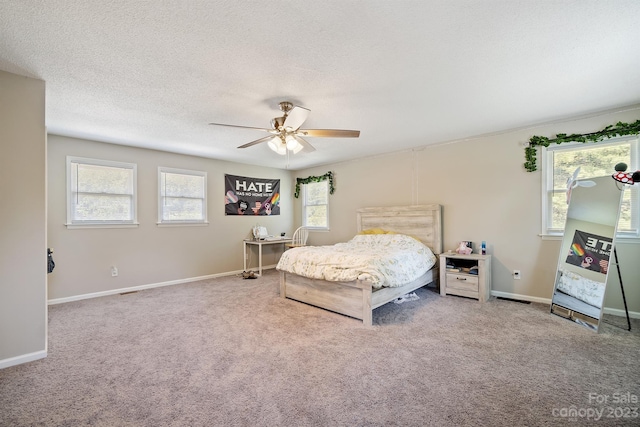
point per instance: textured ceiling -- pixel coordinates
(406, 74)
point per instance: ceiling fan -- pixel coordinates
(286, 135)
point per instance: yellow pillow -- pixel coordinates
(376, 231)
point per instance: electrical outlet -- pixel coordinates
(114, 271)
(516, 274)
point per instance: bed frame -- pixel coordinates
(358, 298)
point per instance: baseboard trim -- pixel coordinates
(509, 295)
(621, 313)
(140, 287)
(607, 310)
(18, 360)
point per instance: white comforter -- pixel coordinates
(389, 260)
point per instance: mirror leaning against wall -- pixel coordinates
(587, 249)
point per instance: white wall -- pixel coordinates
(149, 254)
(486, 195)
(23, 246)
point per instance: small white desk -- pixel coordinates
(260, 243)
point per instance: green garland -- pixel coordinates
(328, 175)
(611, 131)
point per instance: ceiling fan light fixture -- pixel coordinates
(277, 145)
(291, 142)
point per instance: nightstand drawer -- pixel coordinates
(462, 281)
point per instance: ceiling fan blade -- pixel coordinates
(306, 147)
(243, 127)
(329, 133)
(257, 141)
(296, 117)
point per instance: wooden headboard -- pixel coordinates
(421, 221)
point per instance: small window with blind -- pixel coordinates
(594, 159)
(100, 193)
(182, 198)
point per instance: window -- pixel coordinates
(594, 159)
(100, 193)
(182, 196)
(315, 205)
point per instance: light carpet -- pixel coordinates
(231, 352)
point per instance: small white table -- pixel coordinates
(260, 243)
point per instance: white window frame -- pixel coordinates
(305, 204)
(181, 222)
(72, 179)
(547, 183)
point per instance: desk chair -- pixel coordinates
(299, 238)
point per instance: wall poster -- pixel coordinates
(251, 196)
(590, 251)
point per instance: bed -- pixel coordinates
(358, 298)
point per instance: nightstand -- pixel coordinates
(459, 281)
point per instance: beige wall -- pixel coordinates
(485, 192)
(23, 246)
(150, 254)
(486, 195)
